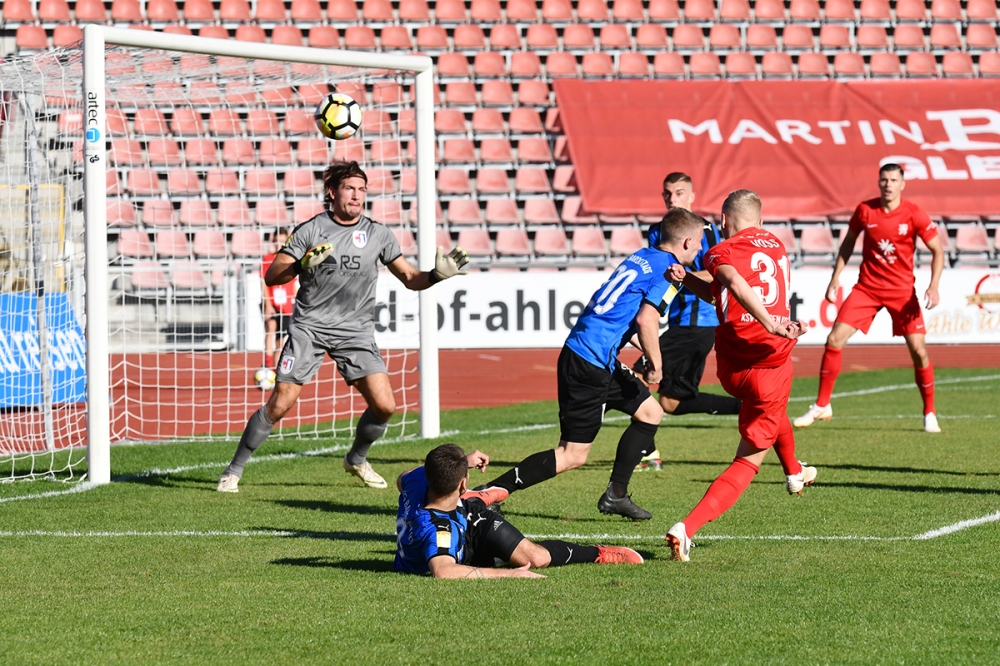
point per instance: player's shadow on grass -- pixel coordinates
(913, 489)
(336, 507)
(329, 536)
(905, 470)
(378, 566)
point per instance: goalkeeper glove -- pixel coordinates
(314, 257)
(449, 265)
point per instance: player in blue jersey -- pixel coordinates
(686, 343)
(592, 379)
(450, 532)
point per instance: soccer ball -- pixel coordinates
(265, 379)
(338, 116)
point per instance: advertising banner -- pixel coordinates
(20, 363)
(537, 310)
(806, 147)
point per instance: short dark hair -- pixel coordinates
(445, 468)
(891, 166)
(337, 172)
(679, 223)
(677, 177)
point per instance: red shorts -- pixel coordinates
(862, 305)
(764, 392)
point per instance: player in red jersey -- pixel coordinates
(279, 301)
(891, 226)
(753, 346)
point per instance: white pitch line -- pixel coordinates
(961, 525)
(899, 387)
(81, 487)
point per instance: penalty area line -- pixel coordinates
(899, 387)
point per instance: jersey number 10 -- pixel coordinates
(613, 289)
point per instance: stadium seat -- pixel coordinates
(496, 151)
(502, 211)
(664, 10)
(818, 239)
(262, 122)
(848, 64)
(551, 242)
(922, 64)
(735, 11)
(387, 211)
(980, 36)
(171, 244)
(513, 242)
(561, 64)
(52, 11)
(615, 36)
(957, 64)
(522, 11)
(163, 11)
(414, 11)
(468, 37)
(564, 179)
(386, 151)
(871, 10)
(687, 37)
(120, 213)
(222, 182)
(946, 10)
(378, 123)
(306, 209)
(361, 37)
(126, 11)
(724, 37)
(183, 182)
(945, 36)
(134, 244)
(314, 150)
(533, 92)
(18, 11)
(572, 212)
(258, 182)
(65, 35)
(324, 37)
(144, 182)
(492, 181)
(447, 11)
(377, 11)
(699, 11)
(651, 36)
(557, 10)
(233, 212)
(127, 152)
(157, 213)
(540, 211)
(668, 64)
(533, 150)
(341, 11)
(251, 33)
(841, 10)
(464, 212)
(238, 151)
(449, 121)
(460, 93)
(524, 120)
(505, 36)
(740, 64)
(906, 37)
(487, 121)
(633, 63)
(525, 64)
(989, 64)
(209, 244)
(626, 240)
(577, 36)
(271, 213)
(186, 121)
(542, 37)
(705, 65)
(87, 11)
(982, 10)
(197, 213)
(589, 242)
(598, 64)
(396, 38)
(911, 10)
(476, 242)
(224, 122)
(387, 93)
(872, 37)
(804, 11)
(150, 122)
(972, 239)
(453, 65)
(592, 10)
(432, 38)
(834, 37)
(761, 37)
(348, 150)
(247, 243)
(459, 151)
(630, 11)
(769, 10)
(112, 184)
(813, 65)
(885, 64)
(380, 182)
(490, 64)
(498, 93)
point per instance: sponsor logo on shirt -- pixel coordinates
(903, 229)
(888, 251)
(360, 239)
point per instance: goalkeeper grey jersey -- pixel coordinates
(337, 298)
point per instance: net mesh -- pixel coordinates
(209, 157)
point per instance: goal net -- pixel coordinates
(131, 250)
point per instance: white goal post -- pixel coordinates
(95, 162)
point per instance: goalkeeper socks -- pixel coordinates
(707, 403)
(829, 368)
(721, 495)
(925, 382)
(563, 553)
(784, 446)
(369, 429)
(534, 469)
(256, 433)
(636, 442)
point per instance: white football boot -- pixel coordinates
(228, 483)
(930, 423)
(794, 483)
(365, 472)
(679, 542)
(815, 412)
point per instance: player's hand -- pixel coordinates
(675, 273)
(316, 256)
(651, 375)
(524, 572)
(638, 368)
(478, 460)
(931, 298)
(451, 264)
(831, 291)
(791, 329)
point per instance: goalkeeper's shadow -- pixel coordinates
(377, 566)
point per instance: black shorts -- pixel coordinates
(684, 350)
(283, 323)
(488, 537)
(587, 391)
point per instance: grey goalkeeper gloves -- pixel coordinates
(449, 265)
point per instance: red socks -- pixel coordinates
(721, 495)
(784, 446)
(828, 371)
(925, 382)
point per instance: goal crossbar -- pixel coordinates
(95, 40)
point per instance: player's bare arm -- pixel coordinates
(444, 566)
(699, 287)
(843, 256)
(648, 322)
(445, 266)
(931, 296)
(744, 294)
(281, 270)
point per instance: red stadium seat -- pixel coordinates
(724, 37)
(651, 36)
(53, 11)
(260, 182)
(505, 36)
(360, 37)
(834, 37)
(540, 211)
(262, 122)
(957, 64)
(843, 10)
(269, 11)
(769, 10)
(134, 243)
(459, 151)
(306, 209)
(198, 213)
(453, 65)
(464, 212)
(163, 152)
(598, 64)
(449, 11)
(496, 151)
(847, 64)
(324, 37)
(488, 121)
(735, 10)
(234, 11)
(885, 65)
(542, 36)
(461, 93)
(532, 180)
(127, 152)
(705, 65)
(907, 37)
(150, 122)
(209, 244)
(687, 37)
(873, 10)
(271, 213)
(740, 64)
(911, 10)
(813, 65)
(238, 150)
(982, 10)
(626, 240)
(314, 150)
(577, 36)
(86, 11)
(432, 38)
(633, 63)
(551, 242)
(490, 64)
(615, 36)
(161, 11)
(144, 182)
(628, 11)
(469, 37)
(386, 151)
(572, 212)
(533, 92)
(513, 241)
(872, 37)
(414, 11)
(592, 10)
(247, 243)
(224, 122)
(502, 211)
(777, 65)
(222, 182)
(275, 152)
(449, 121)
(668, 65)
(522, 11)
(664, 10)
(806, 11)
(785, 235)
(396, 38)
(387, 93)
(342, 11)
(377, 11)
(761, 36)
(922, 64)
(525, 121)
(561, 64)
(945, 36)
(18, 11)
(146, 276)
(980, 36)
(126, 11)
(66, 35)
(31, 38)
(476, 242)
(533, 150)
(557, 10)
(818, 239)
(699, 10)
(497, 93)
(453, 181)
(297, 182)
(589, 242)
(492, 181)
(157, 213)
(120, 213)
(946, 10)
(525, 64)
(234, 212)
(171, 244)
(305, 11)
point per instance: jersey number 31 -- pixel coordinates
(767, 271)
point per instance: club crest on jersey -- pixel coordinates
(360, 239)
(903, 229)
(286, 364)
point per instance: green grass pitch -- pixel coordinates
(296, 568)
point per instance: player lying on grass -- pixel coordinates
(753, 346)
(449, 531)
(592, 379)
(336, 256)
(891, 227)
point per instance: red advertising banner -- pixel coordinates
(806, 147)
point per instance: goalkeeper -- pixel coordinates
(335, 255)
